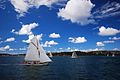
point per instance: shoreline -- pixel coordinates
(79, 53)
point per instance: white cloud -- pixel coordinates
(4, 48)
(107, 10)
(2, 4)
(100, 44)
(68, 48)
(38, 3)
(11, 49)
(115, 38)
(116, 49)
(72, 49)
(54, 35)
(29, 39)
(60, 48)
(39, 37)
(49, 43)
(12, 31)
(96, 49)
(76, 50)
(26, 29)
(10, 39)
(77, 40)
(108, 41)
(108, 31)
(78, 11)
(22, 6)
(22, 49)
(1, 42)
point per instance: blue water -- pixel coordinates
(62, 68)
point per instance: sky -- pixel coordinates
(60, 25)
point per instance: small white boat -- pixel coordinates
(113, 55)
(50, 54)
(36, 55)
(74, 55)
(107, 54)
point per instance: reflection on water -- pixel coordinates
(62, 68)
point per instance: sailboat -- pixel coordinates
(74, 55)
(107, 54)
(50, 54)
(113, 55)
(36, 55)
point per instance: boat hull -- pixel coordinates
(74, 57)
(40, 64)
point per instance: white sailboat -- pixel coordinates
(107, 54)
(50, 54)
(36, 54)
(74, 55)
(113, 55)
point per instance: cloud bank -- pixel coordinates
(22, 6)
(107, 31)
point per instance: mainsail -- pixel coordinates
(74, 55)
(35, 52)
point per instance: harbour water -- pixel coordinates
(62, 68)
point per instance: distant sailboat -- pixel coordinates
(50, 54)
(107, 54)
(74, 55)
(36, 54)
(113, 55)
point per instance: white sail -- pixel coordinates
(43, 56)
(107, 54)
(74, 55)
(32, 53)
(113, 55)
(50, 54)
(35, 52)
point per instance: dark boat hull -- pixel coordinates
(40, 64)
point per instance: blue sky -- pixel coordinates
(60, 25)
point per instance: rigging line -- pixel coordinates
(38, 48)
(34, 45)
